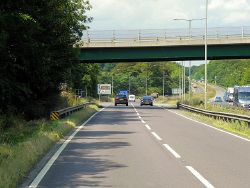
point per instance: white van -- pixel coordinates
(131, 98)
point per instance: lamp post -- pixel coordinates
(184, 81)
(190, 36)
(163, 81)
(180, 93)
(206, 57)
(163, 84)
(112, 85)
(129, 84)
(112, 82)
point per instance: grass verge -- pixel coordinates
(31, 141)
(236, 127)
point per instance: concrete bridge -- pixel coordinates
(164, 45)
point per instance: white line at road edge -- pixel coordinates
(199, 177)
(45, 169)
(172, 151)
(139, 117)
(237, 136)
(146, 125)
(143, 121)
(156, 136)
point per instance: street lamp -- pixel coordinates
(129, 84)
(206, 57)
(190, 36)
(112, 82)
(147, 78)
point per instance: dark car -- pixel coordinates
(147, 100)
(218, 99)
(121, 99)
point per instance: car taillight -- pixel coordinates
(116, 98)
(126, 99)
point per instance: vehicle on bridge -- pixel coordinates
(147, 100)
(121, 99)
(242, 96)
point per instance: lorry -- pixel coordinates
(242, 96)
(123, 92)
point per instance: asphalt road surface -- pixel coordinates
(140, 147)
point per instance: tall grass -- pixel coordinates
(237, 127)
(22, 145)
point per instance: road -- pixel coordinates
(134, 147)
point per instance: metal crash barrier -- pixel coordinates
(219, 115)
(56, 115)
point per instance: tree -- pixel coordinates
(36, 51)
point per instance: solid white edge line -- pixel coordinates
(137, 113)
(237, 136)
(139, 117)
(147, 126)
(45, 169)
(143, 121)
(156, 136)
(199, 177)
(172, 151)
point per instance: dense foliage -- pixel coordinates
(37, 53)
(226, 73)
(140, 74)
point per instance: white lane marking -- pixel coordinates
(132, 104)
(139, 117)
(137, 113)
(199, 177)
(143, 121)
(45, 169)
(172, 151)
(156, 136)
(237, 136)
(147, 126)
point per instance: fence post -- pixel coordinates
(242, 32)
(139, 35)
(113, 39)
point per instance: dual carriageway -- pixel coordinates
(138, 146)
(146, 146)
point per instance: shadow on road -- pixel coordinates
(84, 162)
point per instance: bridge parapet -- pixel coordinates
(170, 37)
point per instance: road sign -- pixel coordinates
(176, 91)
(104, 89)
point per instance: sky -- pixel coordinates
(160, 14)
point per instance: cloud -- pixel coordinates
(154, 14)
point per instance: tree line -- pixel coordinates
(37, 54)
(139, 76)
(226, 73)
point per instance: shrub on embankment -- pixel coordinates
(23, 143)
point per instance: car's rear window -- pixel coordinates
(147, 97)
(121, 96)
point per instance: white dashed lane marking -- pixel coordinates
(172, 151)
(199, 177)
(156, 136)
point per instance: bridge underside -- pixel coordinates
(163, 53)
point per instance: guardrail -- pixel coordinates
(220, 115)
(165, 34)
(56, 115)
